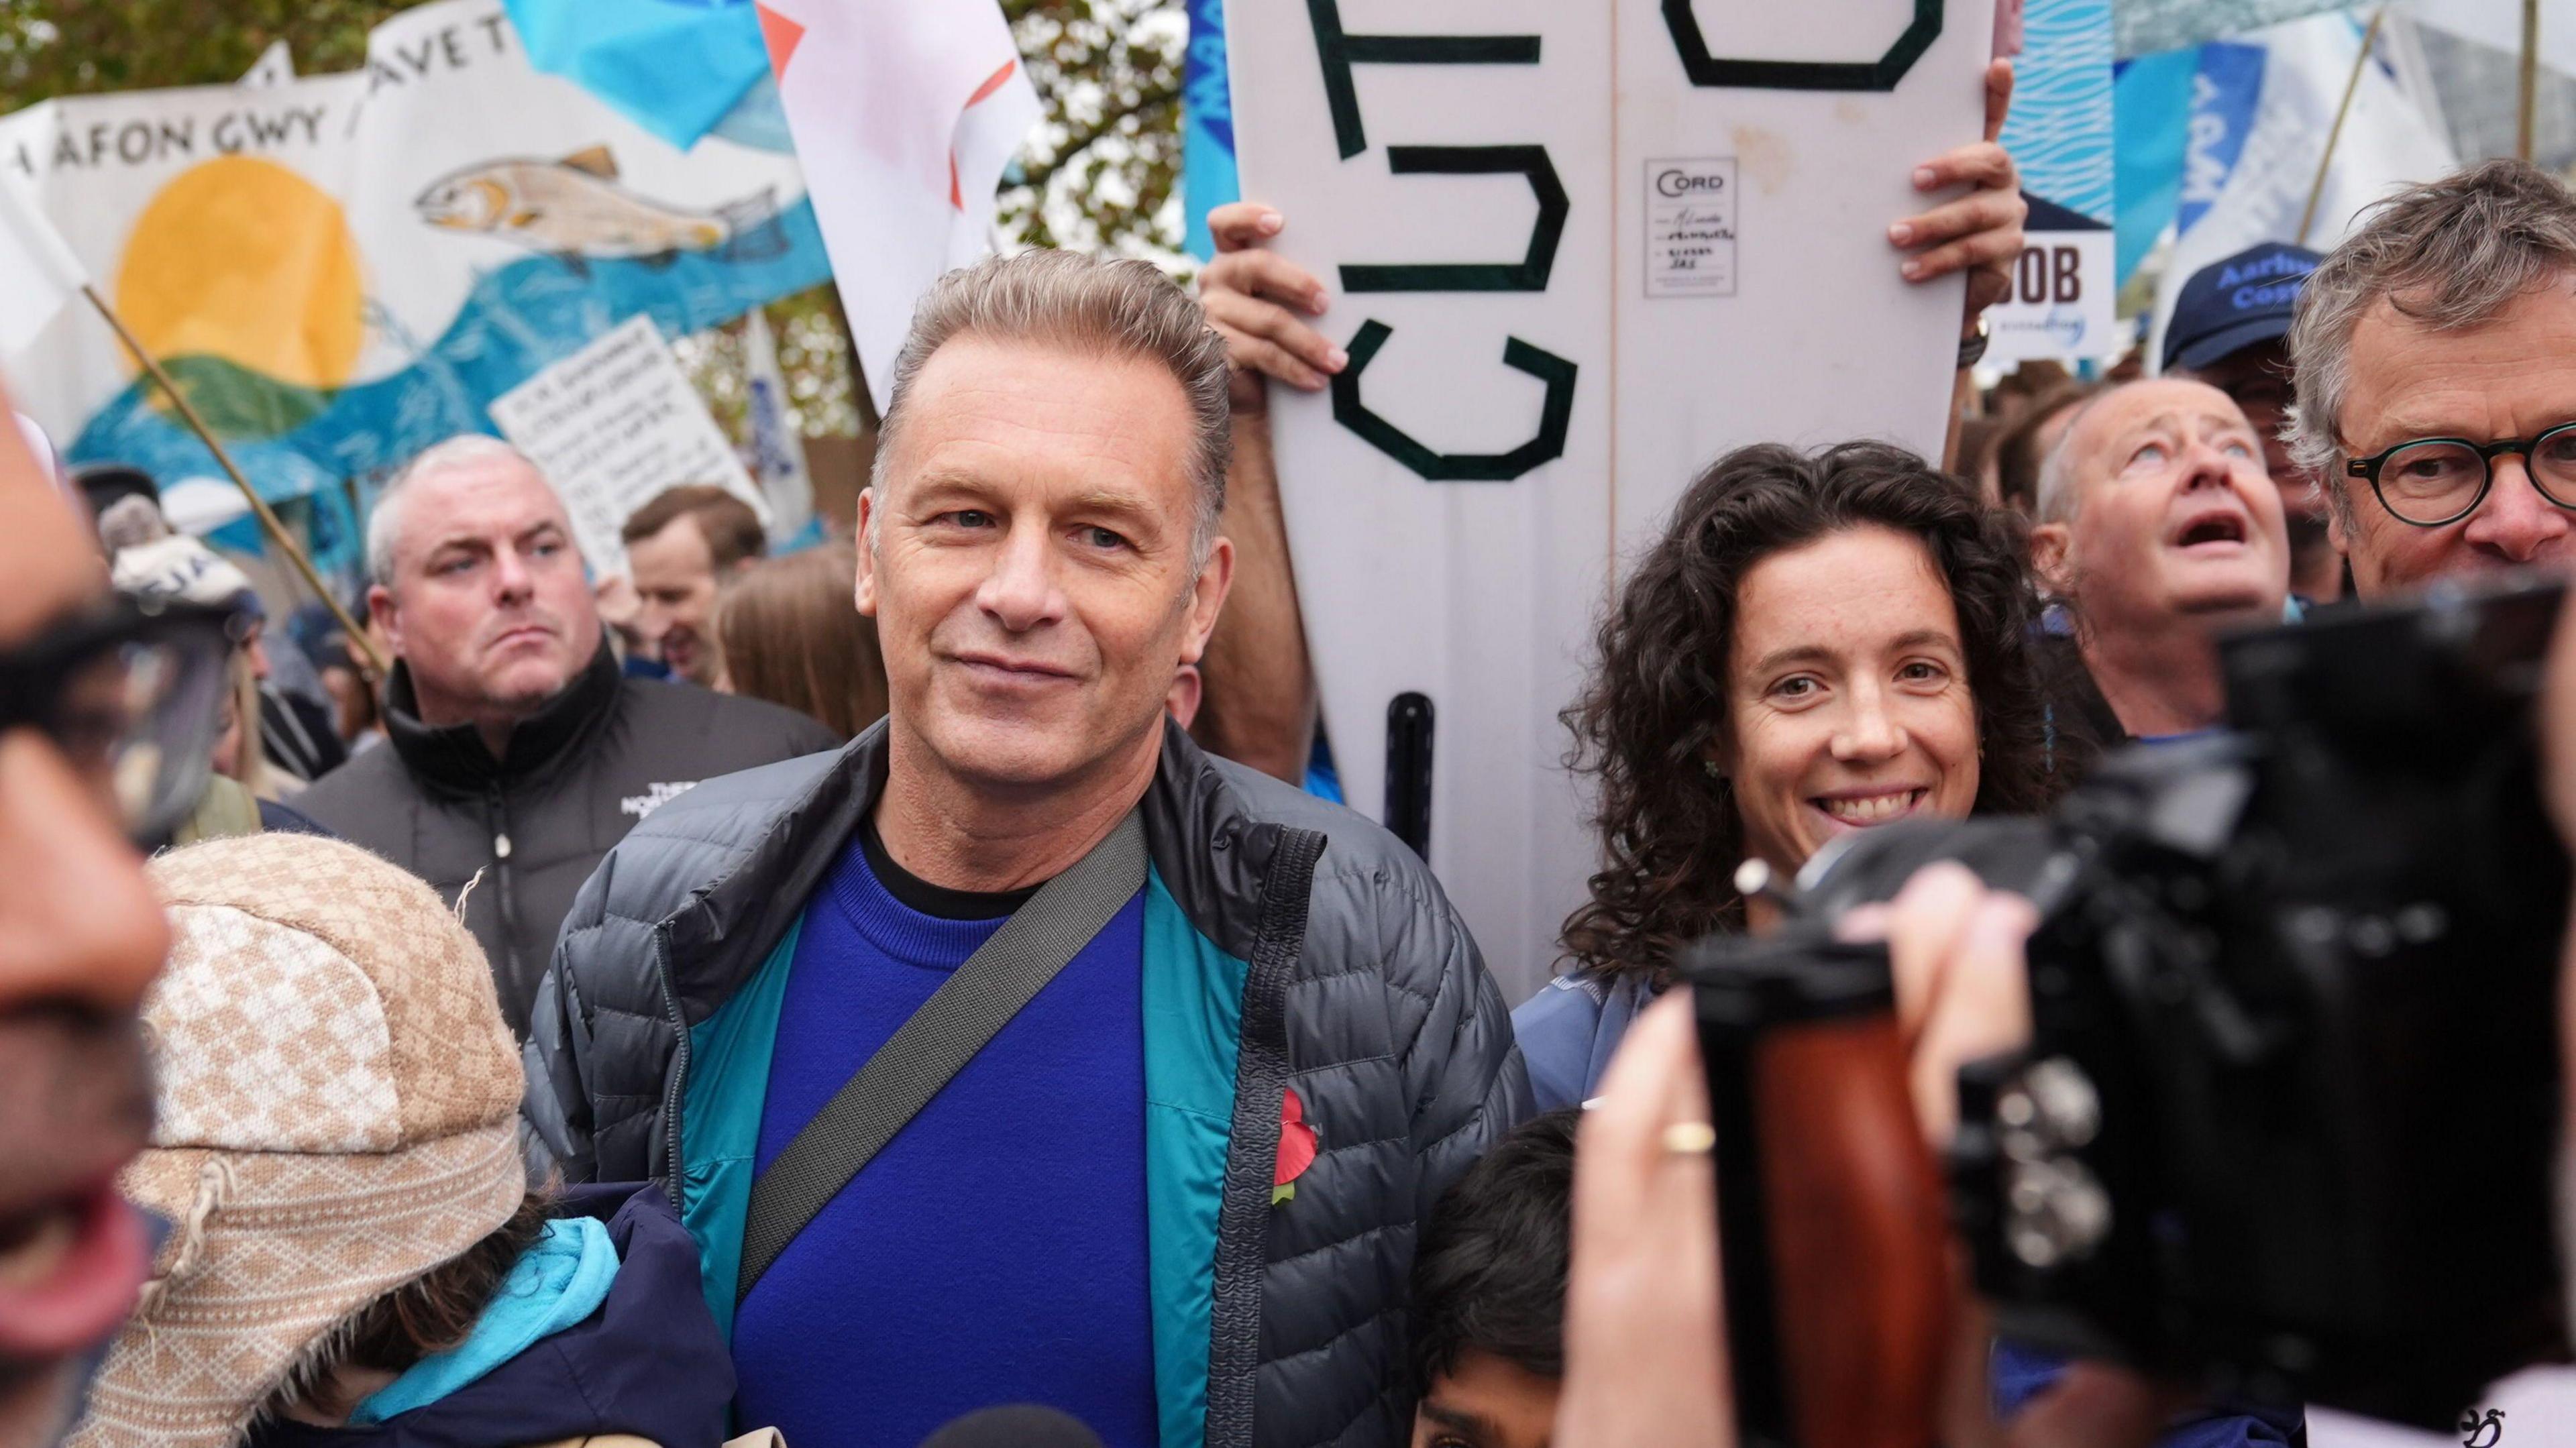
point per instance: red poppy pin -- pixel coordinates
(1297, 1146)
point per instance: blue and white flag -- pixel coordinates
(677, 68)
(2262, 108)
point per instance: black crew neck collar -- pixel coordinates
(936, 901)
(454, 756)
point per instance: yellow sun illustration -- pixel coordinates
(244, 260)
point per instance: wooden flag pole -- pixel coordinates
(2334, 133)
(2530, 78)
(268, 521)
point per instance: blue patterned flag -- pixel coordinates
(2061, 133)
(1208, 178)
(2262, 106)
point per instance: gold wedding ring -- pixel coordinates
(1690, 1138)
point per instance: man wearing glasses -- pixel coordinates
(107, 719)
(2435, 352)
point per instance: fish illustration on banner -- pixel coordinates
(343, 269)
(574, 209)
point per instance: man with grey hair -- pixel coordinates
(2157, 526)
(2435, 352)
(519, 754)
(1023, 1052)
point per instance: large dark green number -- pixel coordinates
(1881, 74)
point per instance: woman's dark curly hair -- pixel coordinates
(1671, 837)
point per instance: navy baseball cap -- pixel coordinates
(2230, 305)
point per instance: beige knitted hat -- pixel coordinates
(338, 1099)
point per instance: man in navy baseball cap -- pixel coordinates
(2229, 329)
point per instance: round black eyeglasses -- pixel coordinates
(2433, 482)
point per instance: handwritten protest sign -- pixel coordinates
(1575, 253)
(611, 426)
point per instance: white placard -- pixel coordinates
(2061, 301)
(613, 425)
(2535, 1408)
(1468, 588)
(1826, 107)
(1471, 181)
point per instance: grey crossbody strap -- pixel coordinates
(928, 1050)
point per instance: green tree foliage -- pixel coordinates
(1103, 171)
(73, 47)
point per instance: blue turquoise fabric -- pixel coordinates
(675, 67)
(1193, 1006)
(556, 1284)
(729, 1057)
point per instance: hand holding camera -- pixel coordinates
(2286, 990)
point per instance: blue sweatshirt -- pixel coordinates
(995, 1250)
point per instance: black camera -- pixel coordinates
(2287, 1124)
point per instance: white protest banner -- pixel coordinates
(612, 426)
(2064, 300)
(43, 274)
(1558, 308)
(275, 66)
(344, 269)
(1824, 108)
(212, 218)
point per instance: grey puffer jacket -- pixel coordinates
(1361, 989)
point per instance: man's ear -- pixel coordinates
(388, 620)
(1207, 599)
(2338, 508)
(866, 596)
(2049, 543)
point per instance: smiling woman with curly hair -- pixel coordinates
(1819, 643)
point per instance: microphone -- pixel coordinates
(1020, 1425)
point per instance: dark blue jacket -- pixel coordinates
(648, 1362)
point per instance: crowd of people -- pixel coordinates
(821, 996)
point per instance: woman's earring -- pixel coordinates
(1714, 772)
